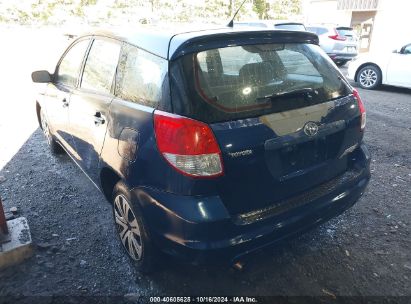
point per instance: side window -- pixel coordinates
(100, 67)
(69, 68)
(140, 76)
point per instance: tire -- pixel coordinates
(369, 77)
(54, 147)
(132, 230)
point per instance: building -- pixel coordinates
(380, 24)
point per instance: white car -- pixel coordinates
(372, 69)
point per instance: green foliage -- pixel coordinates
(78, 11)
(260, 7)
(120, 11)
(23, 16)
(120, 4)
(277, 9)
(88, 2)
(283, 9)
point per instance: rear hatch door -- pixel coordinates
(276, 156)
(283, 115)
(350, 44)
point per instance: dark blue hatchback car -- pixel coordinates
(210, 143)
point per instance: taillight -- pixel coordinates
(188, 145)
(361, 108)
(337, 37)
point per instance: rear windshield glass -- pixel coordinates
(317, 30)
(346, 32)
(248, 81)
(292, 27)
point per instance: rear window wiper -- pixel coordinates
(305, 92)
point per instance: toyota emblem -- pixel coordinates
(311, 128)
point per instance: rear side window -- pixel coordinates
(248, 81)
(69, 68)
(140, 76)
(101, 65)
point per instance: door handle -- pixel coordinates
(65, 103)
(99, 119)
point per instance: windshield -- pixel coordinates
(248, 81)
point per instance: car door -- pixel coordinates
(58, 93)
(399, 68)
(90, 102)
(141, 83)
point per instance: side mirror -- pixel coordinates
(41, 77)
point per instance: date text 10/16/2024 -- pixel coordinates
(203, 299)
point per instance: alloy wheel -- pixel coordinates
(368, 78)
(128, 227)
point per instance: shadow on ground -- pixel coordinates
(78, 252)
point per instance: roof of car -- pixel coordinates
(173, 42)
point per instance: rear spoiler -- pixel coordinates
(344, 28)
(226, 39)
(289, 23)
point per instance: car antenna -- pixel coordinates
(231, 23)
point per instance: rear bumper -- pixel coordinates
(342, 56)
(200, 229)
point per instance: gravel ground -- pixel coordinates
(363, 252)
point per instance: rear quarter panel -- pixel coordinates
(130, 150)
(129, 134)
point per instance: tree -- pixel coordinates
(126, 11)
(260, 7)
(284, 9)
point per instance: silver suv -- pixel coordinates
(340, 43)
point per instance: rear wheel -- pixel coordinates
(369, 77)
(55, 148)
(132, 230)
